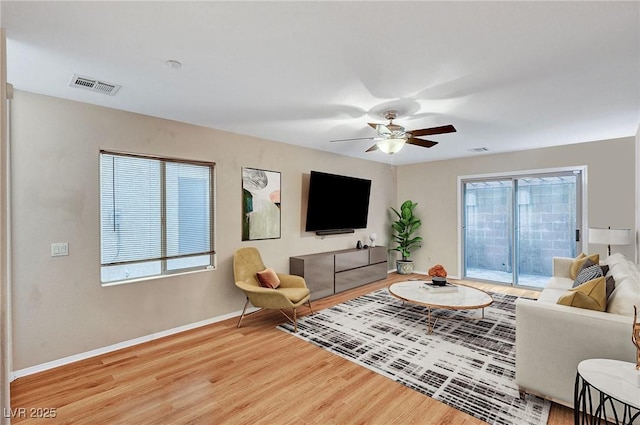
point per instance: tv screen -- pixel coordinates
(337, 202)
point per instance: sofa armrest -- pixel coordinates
(562, 266)
(552, 339)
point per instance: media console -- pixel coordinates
(328, 273)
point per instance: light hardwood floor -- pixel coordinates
(219, 374)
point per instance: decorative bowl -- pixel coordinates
(439, 281)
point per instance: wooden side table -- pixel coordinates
(606, 390)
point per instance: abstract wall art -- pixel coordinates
(260, 204)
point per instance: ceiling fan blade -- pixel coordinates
(433, 130)
(372, 148)
(420, 142)
(380, 128)
(348, 140)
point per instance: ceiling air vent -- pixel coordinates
(94, 85)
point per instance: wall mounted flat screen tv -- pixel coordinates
(337, 204)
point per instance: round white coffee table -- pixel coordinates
(617, 398)
(455, 297)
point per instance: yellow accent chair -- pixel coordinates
(289, 295)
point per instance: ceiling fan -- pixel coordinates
(392, 137)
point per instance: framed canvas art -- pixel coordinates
(260, 204)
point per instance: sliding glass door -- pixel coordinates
(514, 225)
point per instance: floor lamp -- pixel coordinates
(609, 237)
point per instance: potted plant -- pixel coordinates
(404, 228)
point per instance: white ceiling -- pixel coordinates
(508, 75)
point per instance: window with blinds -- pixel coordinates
(156, 216)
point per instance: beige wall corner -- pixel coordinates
(638, 195)
(5, 346)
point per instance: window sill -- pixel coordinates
(156, 277)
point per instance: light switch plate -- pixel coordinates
(59, 249)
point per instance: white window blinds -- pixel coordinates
(156, 215)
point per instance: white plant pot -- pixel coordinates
(404, 266)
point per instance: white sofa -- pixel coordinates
(552, 339)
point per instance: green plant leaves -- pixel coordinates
(404, 228)
(408, 204)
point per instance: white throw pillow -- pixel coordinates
(615, 259)
(635, 271)
(620, 269)
(624, 297)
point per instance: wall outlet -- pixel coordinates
(59, 249)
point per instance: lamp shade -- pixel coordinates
(391, 145)
(610, 236)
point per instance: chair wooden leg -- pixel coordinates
(289, 318)
(295, 320)
(309, 302)
(243, 311)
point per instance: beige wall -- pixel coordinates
(434, 185)
(5, 342)
(59, 307)
(637, 234)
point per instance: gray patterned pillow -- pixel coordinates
(589, 271)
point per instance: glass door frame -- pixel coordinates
(581, 211)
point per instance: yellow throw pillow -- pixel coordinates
(579, 261)
(591, 295)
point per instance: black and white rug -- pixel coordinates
(468, 365)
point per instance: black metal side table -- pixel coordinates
(606, 390)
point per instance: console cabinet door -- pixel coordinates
(378, 254)
(317, 271)
(351, 260)
(361, 276)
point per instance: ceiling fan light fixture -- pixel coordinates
(391, 145)
(392, 137)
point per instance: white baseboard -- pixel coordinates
(103, 350)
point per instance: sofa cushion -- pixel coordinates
(556, 282)
(295, 295)
(551, 295)
(579, 261)
(591, 295)
(619, 271)
(621, 267)
(624, 297)
(615, 258)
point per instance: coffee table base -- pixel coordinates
(431, 323)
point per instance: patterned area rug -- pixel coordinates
(468, 365)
